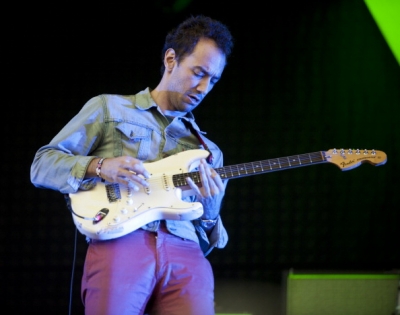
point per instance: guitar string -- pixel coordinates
(263, 166)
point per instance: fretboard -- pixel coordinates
(255, 168)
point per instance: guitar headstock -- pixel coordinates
(351, 158)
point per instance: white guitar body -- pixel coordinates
(120, 215)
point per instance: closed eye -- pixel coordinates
(201, 73)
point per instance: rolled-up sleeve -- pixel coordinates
(218, 237)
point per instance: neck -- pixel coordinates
(160, 98)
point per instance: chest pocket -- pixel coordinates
(134, 139)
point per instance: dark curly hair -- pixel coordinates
(185, 36)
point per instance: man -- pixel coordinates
(161, 267)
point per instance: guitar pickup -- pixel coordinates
(113, 192)
(100, 215)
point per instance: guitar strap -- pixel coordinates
(197, 134)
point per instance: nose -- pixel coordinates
(204, 86)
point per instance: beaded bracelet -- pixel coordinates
(98, 168)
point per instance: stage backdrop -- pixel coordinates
(303, 77)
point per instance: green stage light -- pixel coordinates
(386, 14)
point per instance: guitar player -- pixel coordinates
(160, 267)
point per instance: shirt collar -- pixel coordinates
(144, 101)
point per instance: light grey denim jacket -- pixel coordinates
(115, 125)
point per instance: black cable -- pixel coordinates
(71, 290)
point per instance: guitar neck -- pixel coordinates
(258, 167)
(270, 165)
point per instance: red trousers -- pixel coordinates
(147, 273)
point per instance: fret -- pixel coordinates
(274, 164)
(256, 167)
(284, 163)
(229, 172)
(221, 172)
(243, 169)
(294, 161)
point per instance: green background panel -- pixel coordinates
(387, 16)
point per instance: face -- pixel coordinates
(190, 81)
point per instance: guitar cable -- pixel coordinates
(71, 288)
(97, 218)
(69, 207)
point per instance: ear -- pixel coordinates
(169, 59)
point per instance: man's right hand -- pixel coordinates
(125, 170)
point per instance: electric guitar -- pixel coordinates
(112, 210)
